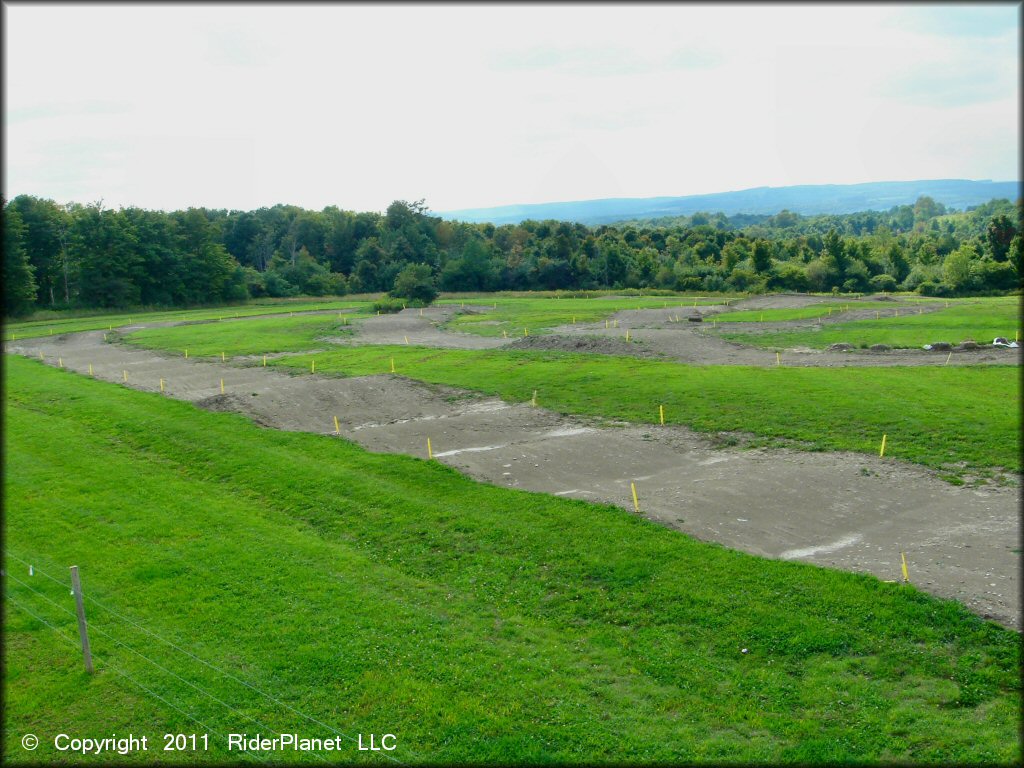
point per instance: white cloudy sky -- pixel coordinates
(236, 106)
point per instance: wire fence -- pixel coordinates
(179, 654)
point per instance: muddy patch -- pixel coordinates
(595, 345)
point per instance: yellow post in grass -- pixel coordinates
(830, 311)
(161, 385)
(881, 451)
(947, 358)
(430, 452)
(574, 319)
(778, 358)
(526, 331)
(312, 366)
(504, 334)
(51, 331)
(90, 369)
(222, 358)
(406, 339)
(903, 564)
(392, 365)
(222, 386)
(606, 325)
(661, 414)
(60, 363)
(627, 334)
(124, 375)
(636, 501)
(264, 361)
(534, 400)
(761, 318)
(337, 427)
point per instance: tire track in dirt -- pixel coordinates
(839, 510)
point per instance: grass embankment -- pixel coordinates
(74, 322)
(978, 320)
(388, 594)
(252, 337)
(514, 315)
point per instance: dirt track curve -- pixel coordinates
(847, 511)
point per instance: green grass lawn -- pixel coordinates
(514, 315)
(823, 310)
(51, 326)
(251, 337)
(380, 593)
(979, 320)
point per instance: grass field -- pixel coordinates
(387, 594)
(980, 320)
(513, 315)
(251, 337)
(71, 323)
(823, 310)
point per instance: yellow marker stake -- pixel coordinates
(574, 319)
(60, 363)
(636, 501)
(264, 361)
(312, 366)
(430, 452)
(903, 563)
(947, 358)
(222, 386)
(876, 314)
(526, 331)
(761, 319)
(186, 353)
(881, 451)
(504, 334)
(392, 365)
(222, 358)
(778, 358)
(406, 339)
(421, 313)
(616, 323)
(606, 325)
(627, 334)
(661, 414)
(125, 375)
(41, 355)
(90, 369)
(161, 385)
(534, 400)
(110, 327)
(1016, 335)
(51, 331)
(830, 311)
(337, 427)
(897, 313)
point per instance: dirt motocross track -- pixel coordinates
(848, 511)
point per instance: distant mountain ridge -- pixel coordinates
(806, 199)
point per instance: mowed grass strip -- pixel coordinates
(478, 623)
(514, 315)
(960, 420)
(978, 320)
(266, 335)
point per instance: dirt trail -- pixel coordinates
(656, 333)
(846, 511)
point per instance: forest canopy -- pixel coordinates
(86, 256)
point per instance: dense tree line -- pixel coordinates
(87, 256)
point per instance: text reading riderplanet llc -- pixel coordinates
(295, 743)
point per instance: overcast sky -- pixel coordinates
(236, 106)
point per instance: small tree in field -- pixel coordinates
(415, 283)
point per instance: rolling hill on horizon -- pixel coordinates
(805, 199)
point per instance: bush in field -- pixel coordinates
(415, 283)
(883, 283)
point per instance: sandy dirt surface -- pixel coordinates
(845, 511)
